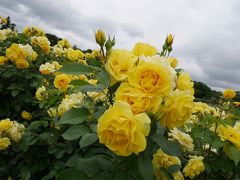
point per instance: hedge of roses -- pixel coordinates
(108, 114)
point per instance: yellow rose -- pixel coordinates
(3, 60)
(194, 167)
(52, 112)
(173, 62)
(151, 77)
(40, 93)
(138, 101)
(144, 49)
(72, 55)
(229, 93)
(16, 131)
(5, 124)
(237, 104)
(162, 160)
(4, 143)
(22, 64)
(26, 115)
(229, 133)
(119, 64)
(182, 138)
(61, 82)
(64, 43)
(184, 83)
(121, 131)
(177, 109)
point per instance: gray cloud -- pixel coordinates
(206, 33)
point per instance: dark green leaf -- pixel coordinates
(174, 168)
(74, 116)
(103, 78)
(79, 82)
(235, 153)
(88, 139)
(145, 167)
(169, 147)
(76, 68)
(75, 132)
(71, 174)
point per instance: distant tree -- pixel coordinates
(8, 25)
(204, 93)
(52, 38)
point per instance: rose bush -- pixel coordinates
(108, 114)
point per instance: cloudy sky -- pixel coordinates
(207, 33)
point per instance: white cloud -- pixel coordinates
(206, 32)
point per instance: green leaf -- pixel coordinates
(79, 82)
(169, 147)
(75, 132)
(88, 139)
(120, 175)
(103, 78)
(91, 88)
(235, 153)
(76, 68)
(145, 167)
(94, 165)
(174, 168)
(217, 143)
(74, 116)
(14, 93)
(37, 124)
(25, 173)
(71, 174)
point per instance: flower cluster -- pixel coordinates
(10, 130)
(21, 55)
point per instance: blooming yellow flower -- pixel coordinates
(144, 49)
(177, 109)
(3, 60)
(40, 93)
(119, 64)
(33, 31)
(194, 167)
(22, 64)
(229, 133)
(70, 102)
(14, 53)
(162, 160)
(184, 83)
(139, 101)
(237, 104)
(98, 96)
(4, 143)
(173, 62)
(16, 131)
(229, 93)
(182, 138)
(121, 131)
(42, 42)
(61, 82)
(151, 77)
(52, 112)
(5, 124)
(64, 43)
(74, 55)
(26, 115)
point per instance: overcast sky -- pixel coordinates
(207, 33)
